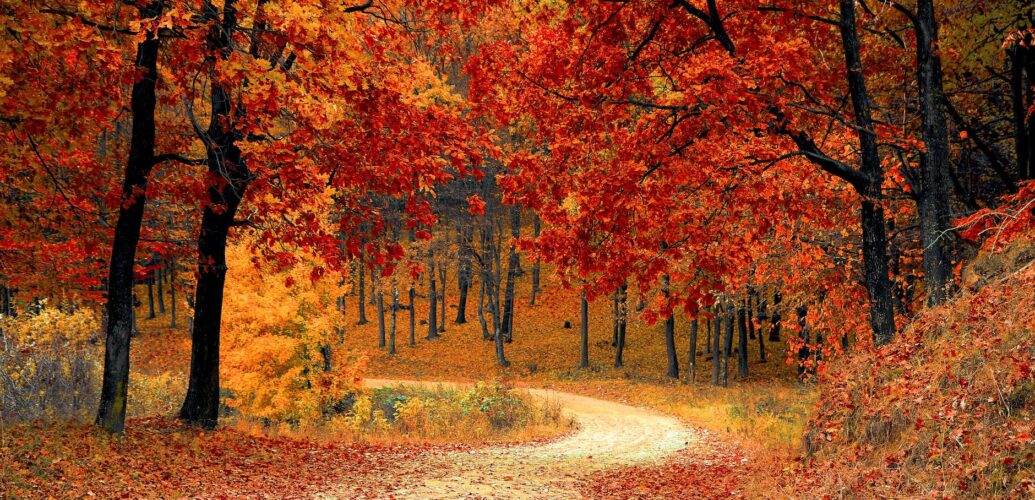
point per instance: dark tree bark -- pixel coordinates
(413, 324)
(395, 310)
(486, 334)
(716, 349)
(463, 274)
(201, 405)
(513, 264)
(584, 330)
(327, 355)
(432, 298)
(161, 289)
(623, 315)
(491, 278)
(1022, 60)
(774, 324)
(670, 335)
(111, 413)
(727, 341)
(362, 292)
(172, 293)
(742, 341)
(749, 309)
(537, 227)
(866, 180)
(935, 213)
(803, 337)
(442, 299)
(151, 298)
(381, 340)
(725, 357)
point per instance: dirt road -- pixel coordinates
(609, 435)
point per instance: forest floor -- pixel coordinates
(611, 437)
(641, 434)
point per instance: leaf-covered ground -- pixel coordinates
(161, 458)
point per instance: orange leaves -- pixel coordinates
(476, 206)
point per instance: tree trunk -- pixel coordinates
(742, 341)
(395, 309)
(201, 405)
(442, 298)
(935, 213)
(151, 298)
(362, 292)
(172, 293)
(725, 358)
(463, 275)
(486, 334)
(512, 272)
(381, 341)
(803, 337)
(623, 315)
(1022, 58)
(413, 324)
(716, 349)
(491, 278)
(774, 318)
(161, 290)
(875, 244)
(584, 330)
(111, 412)
(432, 298)
(670, 334)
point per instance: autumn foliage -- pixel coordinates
(946, 408)
(234, 210)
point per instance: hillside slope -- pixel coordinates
(946, 409)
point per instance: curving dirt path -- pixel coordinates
(609, 435)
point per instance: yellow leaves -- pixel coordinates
(274, 337)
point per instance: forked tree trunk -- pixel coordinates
(201, 405)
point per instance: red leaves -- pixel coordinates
(706, 469)
(162, 457)
(476, 206)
